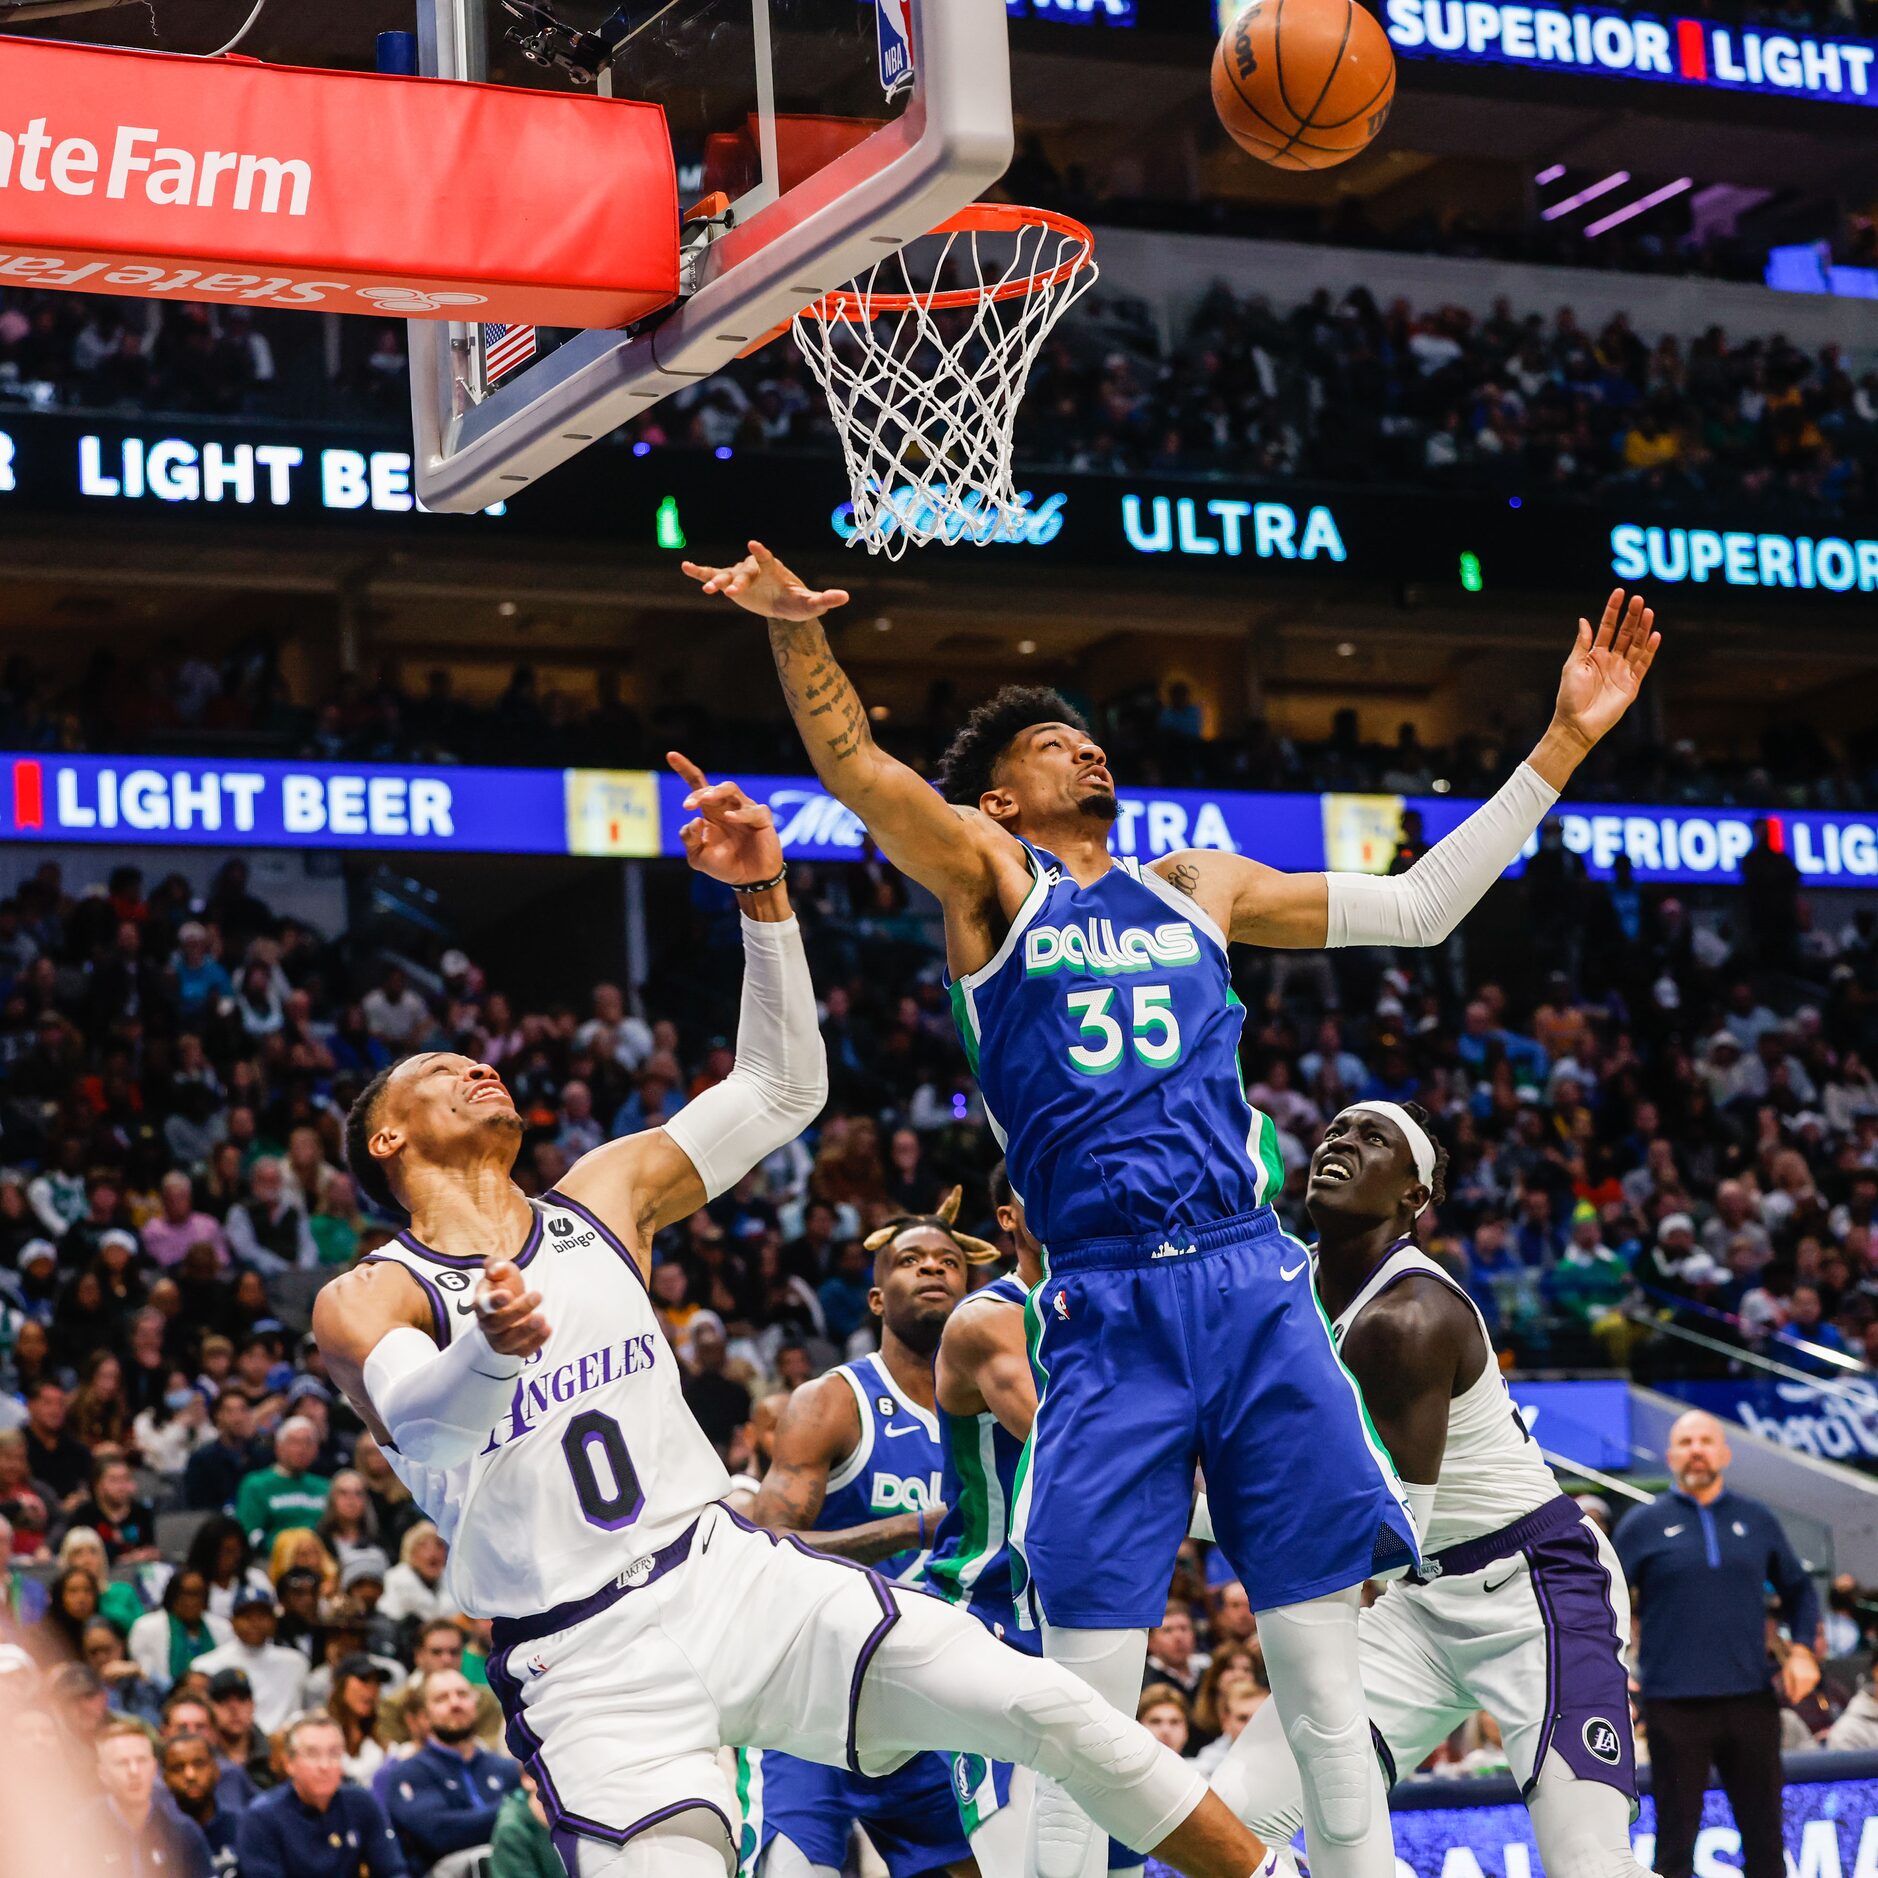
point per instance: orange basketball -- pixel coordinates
(1303, 84)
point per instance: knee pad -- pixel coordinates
(1063, 1839)
(1337, 1767)
(1067, 1721)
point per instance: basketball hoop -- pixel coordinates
(924, 377)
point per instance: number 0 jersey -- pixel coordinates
(1105, 1037)
(598, 1462)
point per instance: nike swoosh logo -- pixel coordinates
(466, 1310)
(896, 1429)
(1504, 1582)
(1669, 1532)
(1287, 1276)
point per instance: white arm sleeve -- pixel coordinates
(439, 1404)
(781, 1079)
(1421, 907)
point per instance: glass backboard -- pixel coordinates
(809, 136)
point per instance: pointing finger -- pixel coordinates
(692, 775)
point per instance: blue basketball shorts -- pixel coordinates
(1209, 1348)
(911, 1815)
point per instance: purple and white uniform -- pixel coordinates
(638, 1624)
(1520, 1609)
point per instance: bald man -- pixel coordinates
(1699, 1559)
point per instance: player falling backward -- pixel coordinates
(507, 1352)
(1095, 999)
(1520, 1605)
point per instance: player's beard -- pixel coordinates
(921, 1332)
(1103, 806)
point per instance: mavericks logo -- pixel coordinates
(969, 1773)
(1093, 945)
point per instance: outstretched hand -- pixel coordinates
(760, 584)
(730, 838)
(1606, 668)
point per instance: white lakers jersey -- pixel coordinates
(598, 1461)
(1492, 1473)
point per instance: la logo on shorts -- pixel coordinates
(1602, 1742)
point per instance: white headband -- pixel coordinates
(1417, 1137)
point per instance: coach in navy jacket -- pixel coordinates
(446, 1796)
(1701, 1561)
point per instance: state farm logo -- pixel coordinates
(165, 175)
(411, 300)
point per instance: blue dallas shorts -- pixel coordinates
(1154, 1354)
(911, 1815)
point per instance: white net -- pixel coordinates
(924, 360)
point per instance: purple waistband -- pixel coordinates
(507, 1632)
(1474, 1555)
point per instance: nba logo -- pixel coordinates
(1062, 1307)
(894, 19)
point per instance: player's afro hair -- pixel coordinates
(1438, 1189)
(367, 1169)
(965, 771)
(943, 1219)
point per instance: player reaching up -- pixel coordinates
(1520, 1605)
(1095, 1000)
(506, 1353)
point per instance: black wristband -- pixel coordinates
(761, 886)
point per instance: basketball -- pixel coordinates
(1303, 84)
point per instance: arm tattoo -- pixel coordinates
(1185, 878)
(826, 708)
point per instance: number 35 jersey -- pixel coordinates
(598, 1462)
(1105, 1037)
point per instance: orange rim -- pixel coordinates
(981, 218)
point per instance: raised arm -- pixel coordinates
(819, 1428)
(947, 850)
(1258, 905)
(645, 1182)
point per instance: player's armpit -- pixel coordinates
(984, 1364)
(1252, 904)
(636, 1187)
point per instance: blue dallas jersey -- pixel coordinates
(895, 1467)
(973, 1561)
(1105, 1037)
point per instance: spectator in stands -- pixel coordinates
(441, 1645)
(522, 1846)
(143, 1833)
(1172, 1658)
(271, 1500)
(221, 1553)
(315, 1825)
(414, 1586)
(182, 1225)
(166, 1641)
(719, 1401)
(1163, 1712)
(168, 1435)
(395, 1013)
(358, 1686)
(192, 1777)
(128, 1691)
(52, 1455)
(81, 1547)
(446, 1796)
(274, 1674)
(349, 1525)
(126, 1524)
(238, 1739)
(1703, 1664)
(269, 1231)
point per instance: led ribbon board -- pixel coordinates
(1672, 49)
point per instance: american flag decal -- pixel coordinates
(505, 347)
